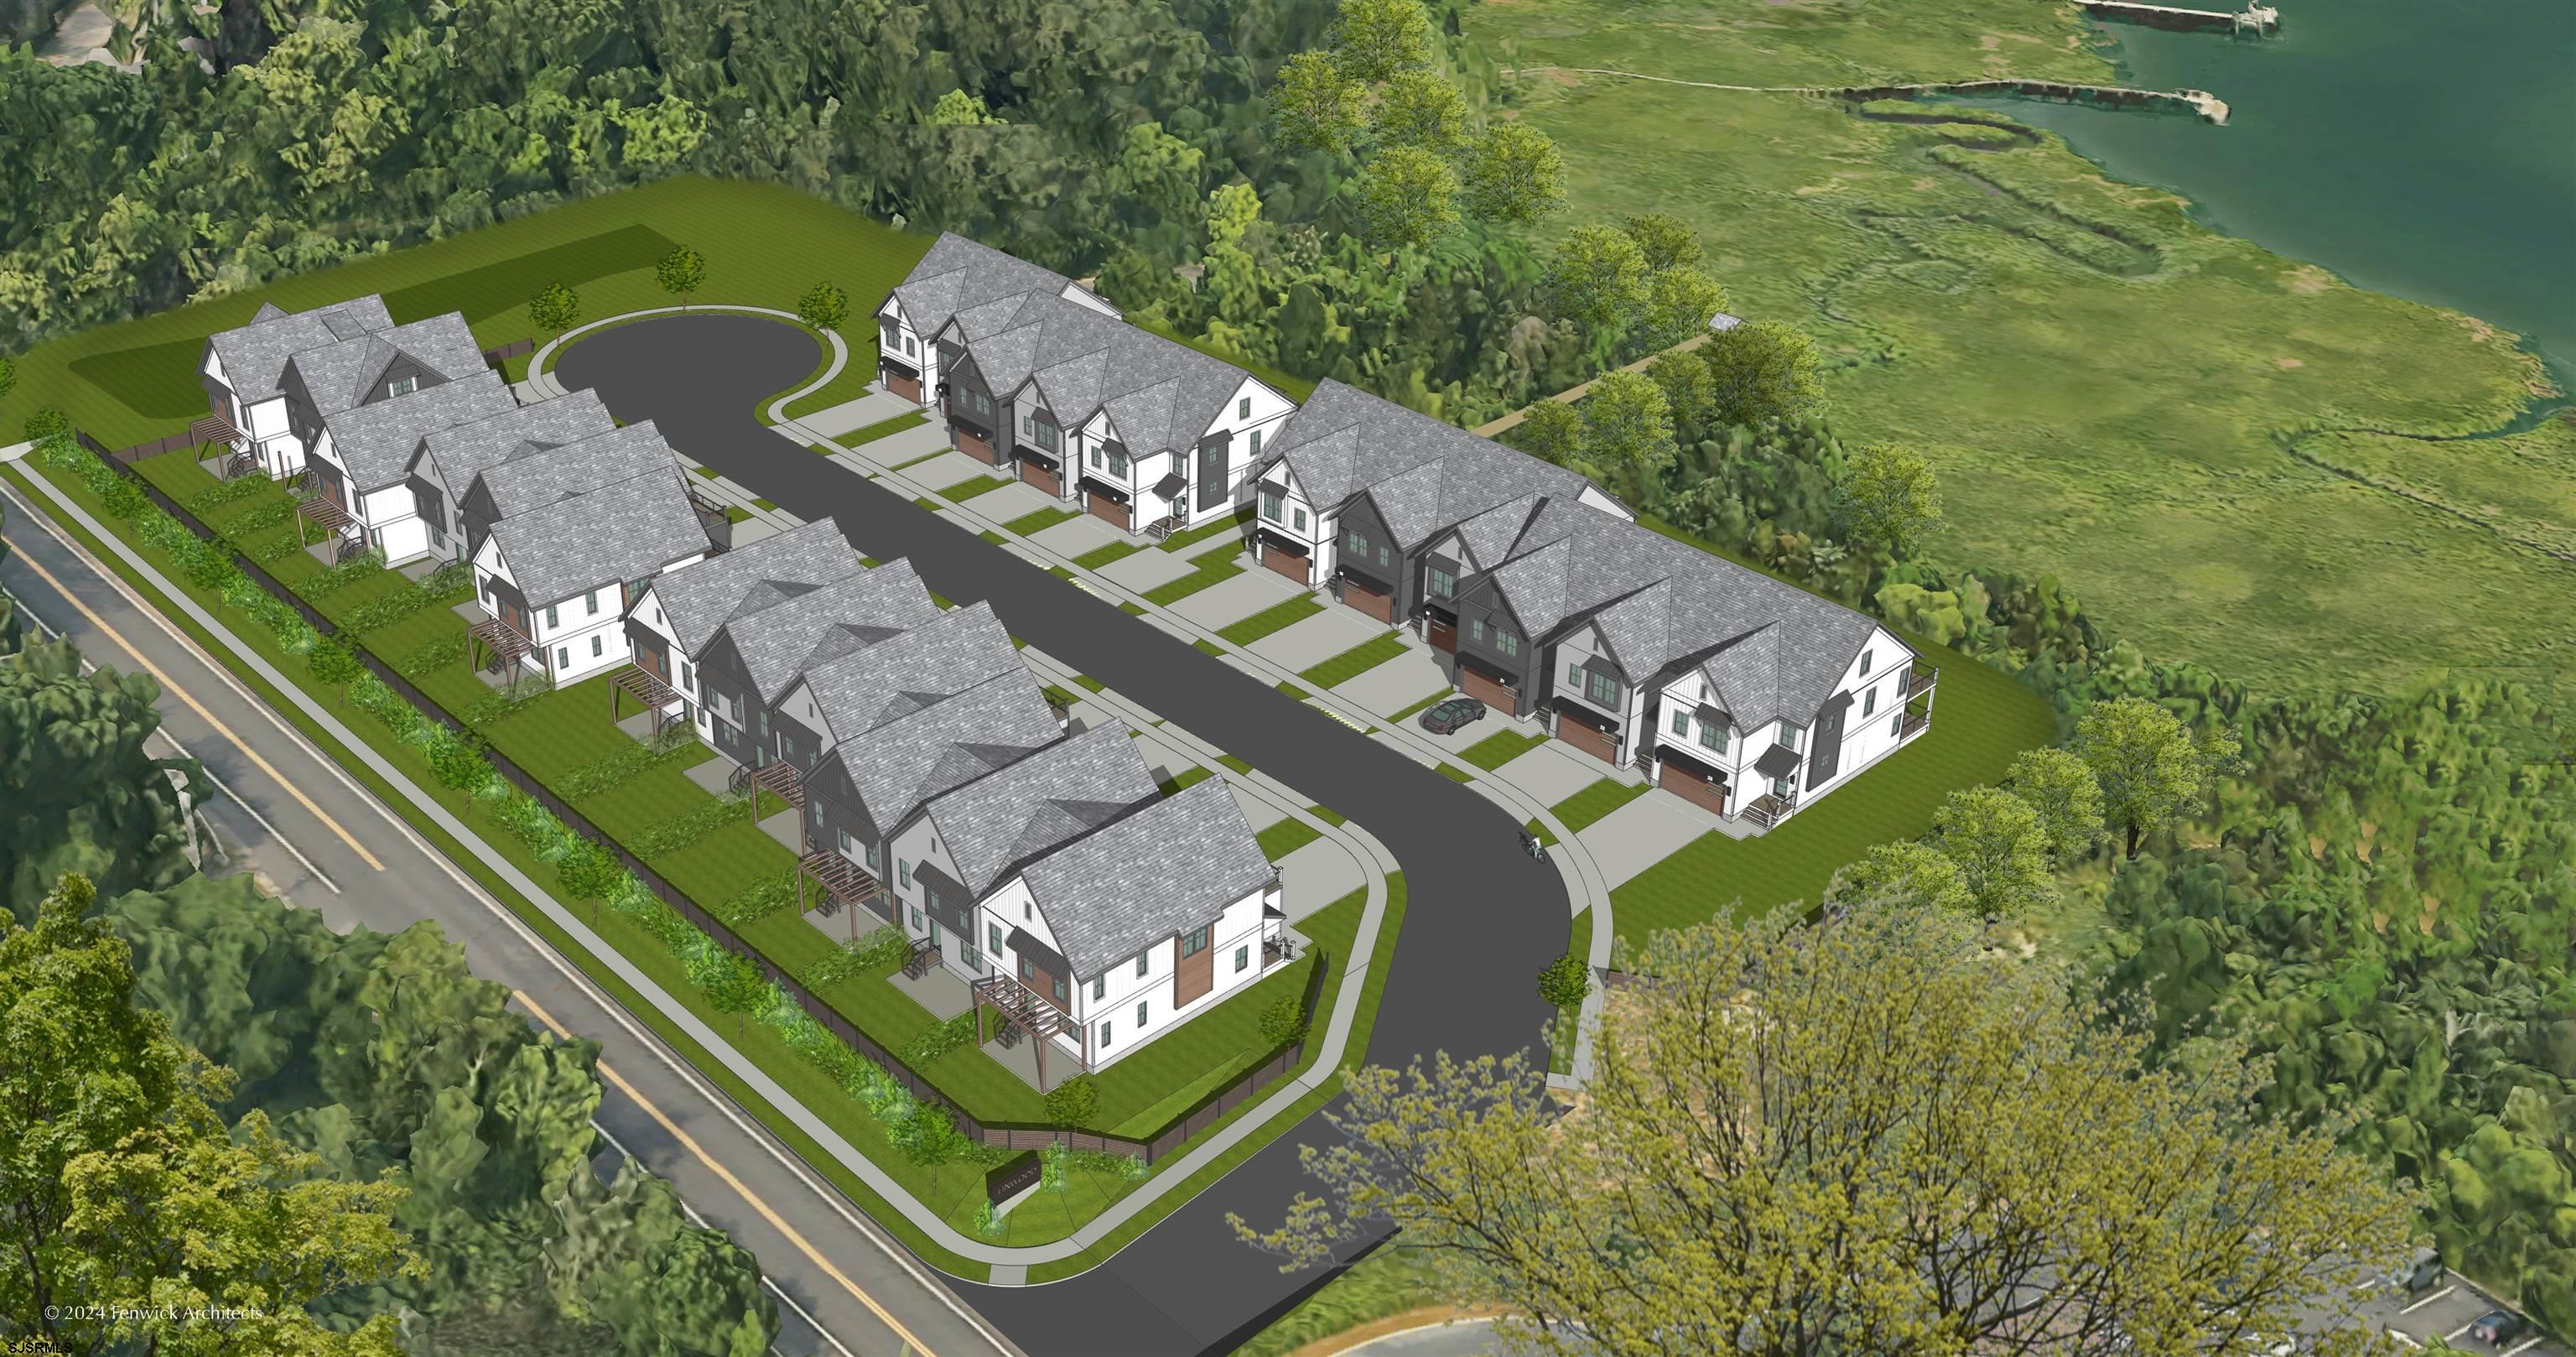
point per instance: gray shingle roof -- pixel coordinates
(546, 476)
(1426, 476)
(902, 674)
(1159, 394)
(1031, 807)
(460, 454)
(696, 599)
(1169, 867)
(376, 442)
(339, 376)
(254, 356)
(948, 744)
(957, 275)
(614, 534)
(796, 632)
(1662, 604)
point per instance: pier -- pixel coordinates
(2256, 18)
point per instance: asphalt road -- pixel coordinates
(290, 815)
(1481, 919)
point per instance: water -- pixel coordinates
(2421, 148)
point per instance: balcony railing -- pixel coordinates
(1767, 810)
(1915, 724)
(1920, 678)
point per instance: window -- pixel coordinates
(1242, 957)
(1100, 986)
(592, 599)
(1864, 663)
(552, 621)
(842, 839)
(1601, 688)
(1300, 517)
(1382, 557)
(1140, 1015)
(912, 346)
(1897, 726)
(1058, 985)
(993, 934)
(1243, 408)
(1118, 465)
(1359, 544)
(1681, 721)
(935, 939)
(1196, 942)
(1104, 1036)
(916, 916)
(1476, 628)
(903, 873)
(1713, 736)
(1507, 641)
(1142, 958)
(1028, 912)
(815, 811)
(402, 386)
(1256, 442)
(1780, 788)
(733, 707)
(1869, 703)
(1443, 584)
(594, 647)
(1270, 505)
(563, 657)
(437, 534)
(1790, 731)
(688, 679)
(1027, 971)
(1095, 457)
(886, 333)
(871, 854)
(966, 953)
(1574, 676)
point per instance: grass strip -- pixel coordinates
(925, 457)
(1205, 646)
(1594, 803)
(1183, 541)
(1185, 779)
(1455, 773)
(1286, 837)
(972, 486)
(883, 427)
(1499, 748)
(1032, 523)
(1422, 706)
(1100, 556)
(1278, 617)
(1352, 663)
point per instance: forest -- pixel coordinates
(361, 1135)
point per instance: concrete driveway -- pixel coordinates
(1317, 639)
(1234, 599)
(1642, 833)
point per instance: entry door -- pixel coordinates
(1214, 483)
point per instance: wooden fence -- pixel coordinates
(1008, 1135)
(495, 357)
(128, 456)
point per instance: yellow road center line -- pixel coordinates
(172, 688)
(689, 1143)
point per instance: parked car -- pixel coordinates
(2498, 1327)
(1454, 714)
(2419, 1274)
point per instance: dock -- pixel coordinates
(2256, 18)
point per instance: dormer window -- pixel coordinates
(402, 386)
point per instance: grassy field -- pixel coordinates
(2105, 386)
(764, 246)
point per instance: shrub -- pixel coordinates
(762, 900)
(47, 423)
(365, 565)
(824, 306)
(686, 828)
(277, 551)
(257, 521)
(437, 655)
(124, 500)
(942, 1039)
(335, 662)
(1074, 1102)
(988, 1222)
(835, 966)
(214, 572)
(230, 492)
(1284, 1020)
(608, 773)
(882, 949)
(1566, 981)
(486, 710)
(1108, 1163)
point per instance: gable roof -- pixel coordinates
(1171, 865)
(339, 376)
(461, 453)
(947, 744)
(1083, 361)
(957, 274)
(543, 476)
(376, 442)
(1425, 475)
(614, 534)
(696, 599)
(1031, 807)
(783, 636)
(902, 674)
(254, 356)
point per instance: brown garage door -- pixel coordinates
(1443, 635)
(1706, 793)
(1600, 744)
(973, 445)
(1492, 692)
(1288, 563)
(1108, 510)
(904, 384)
(1368, 600)
(1043, 477)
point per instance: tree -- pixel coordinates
(2066, 797)
(124, 1188)
(459, 765)
(1903, 872)
(957, 108)
(1764, 370)
(1314, 106)
(928, 1139)
(1073, 1103)
(1513, 175)
(1408, 196)
(555, 309)
(1565, 982)
(1627, 426)
(1998, 1167)
(1283, 1021)
(1688, 392)
(1599, 280)
(681, 272)
(2150, 768)
(1421, 108)
(824, 306)
(590, 872)
(2002, 854)
(1374, 39)
(1552, 431)
(738, 987)
(1667, 242)
(1679, 304)
(83, 793)
(334, 660)
(1888, 495)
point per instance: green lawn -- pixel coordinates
(1206, 568)
(1100, 556)
(1286, 837)
(135, 381)
(1981, 718)
(1394, 1280)
(925, 457)
(871, 433)
(1594, 803)
(1422, 706)
(1352, 663)
(735, 513)
(1183, 541)
(1292, 690)
(1455, 773)
(1039, 521)
(1186, 779)
(972, 486)
(1279, 616)
(1499, 748)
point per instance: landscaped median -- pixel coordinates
(640, 797)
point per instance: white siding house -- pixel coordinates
(562, 576)
(670, 623)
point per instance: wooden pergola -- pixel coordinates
(641, 684)
(508, 647)
(1022, 1009)
(326, 514)
(845, 884)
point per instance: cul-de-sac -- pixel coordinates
(1333, 677)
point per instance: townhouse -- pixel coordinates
(448, 460)
(558, 580)
(679, 612)
(751, 659)
(270, 384)
(361, 462)
(1038, 377)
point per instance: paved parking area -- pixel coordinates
(1642, 833)
(1317, 639)
(1234, 599)
(2446, 1312)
